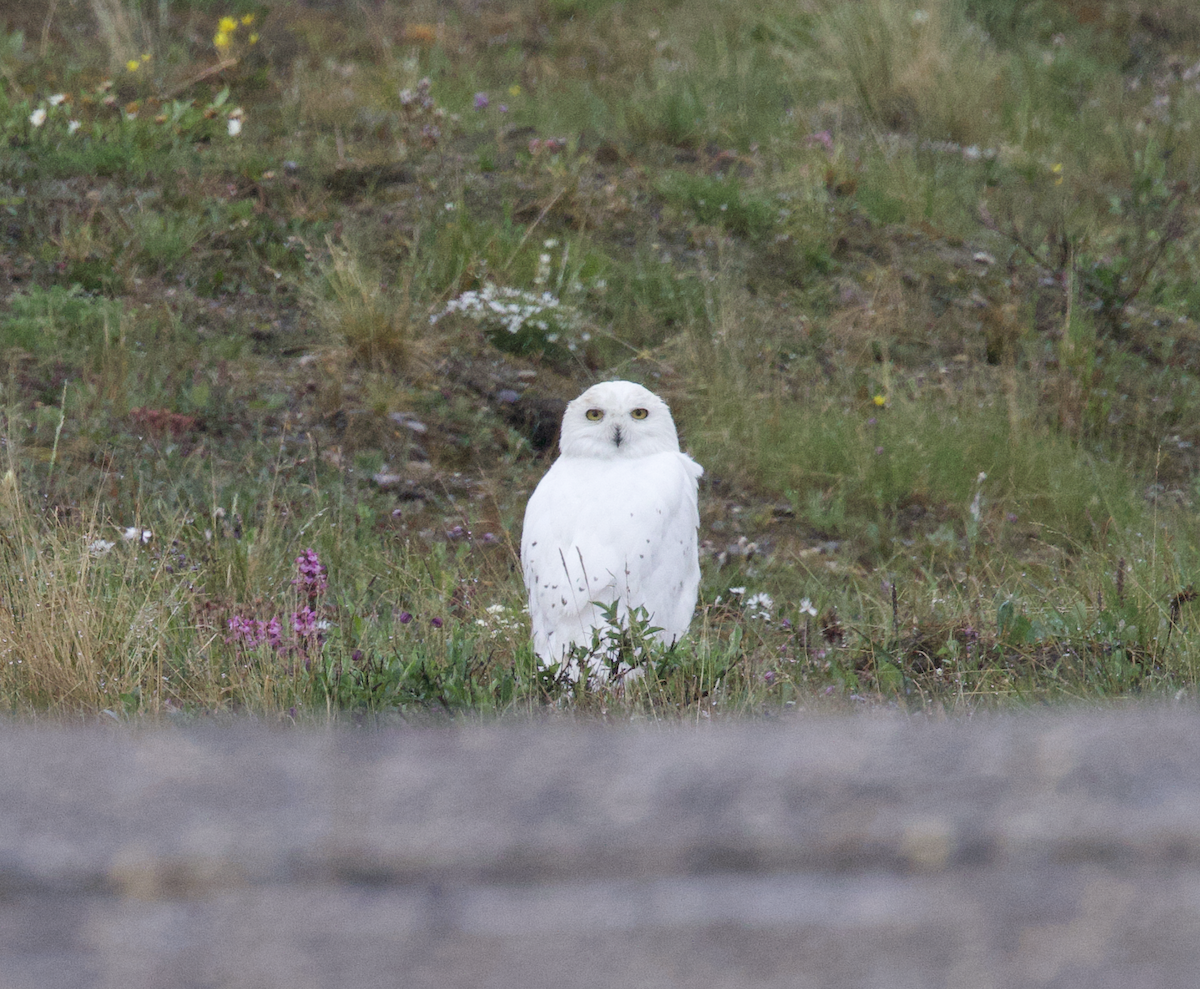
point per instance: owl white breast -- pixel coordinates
(614, 520)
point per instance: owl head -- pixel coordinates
(617, 419)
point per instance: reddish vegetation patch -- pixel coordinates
(161, 421)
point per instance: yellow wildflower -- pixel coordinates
(145, 56)
(132, 65)
(221, 40)
(227, 25)
(247, 19)
(514, 90)
(254, 38)
(880, 400)
(1057, 170)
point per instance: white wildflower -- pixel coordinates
(499, 620)
(38, 117)
(72, 126)
(56, 99)
(499, 308)
(759, 605)
(806, 608)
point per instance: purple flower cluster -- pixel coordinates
(312, 579)
(251, 632)
(823, 138)
(483, 101)
(457, 532)
(406, 617)
(305, 623)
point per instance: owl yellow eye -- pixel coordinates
(639, 413)
(595, 415)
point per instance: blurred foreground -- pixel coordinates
(1033, 850)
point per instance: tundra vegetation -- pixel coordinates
(290, 299)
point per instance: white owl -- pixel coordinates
(614, 520)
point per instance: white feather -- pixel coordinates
(614, 519)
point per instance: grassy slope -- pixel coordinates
(917, 280)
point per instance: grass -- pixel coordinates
(918, 282)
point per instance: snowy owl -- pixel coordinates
(614, 520)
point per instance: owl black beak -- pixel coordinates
(618, 436)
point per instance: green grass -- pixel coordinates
(919, 285)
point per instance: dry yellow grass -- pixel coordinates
(921, 69)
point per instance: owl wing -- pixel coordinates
(610, 530)
(662, 564)
(567, 560)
